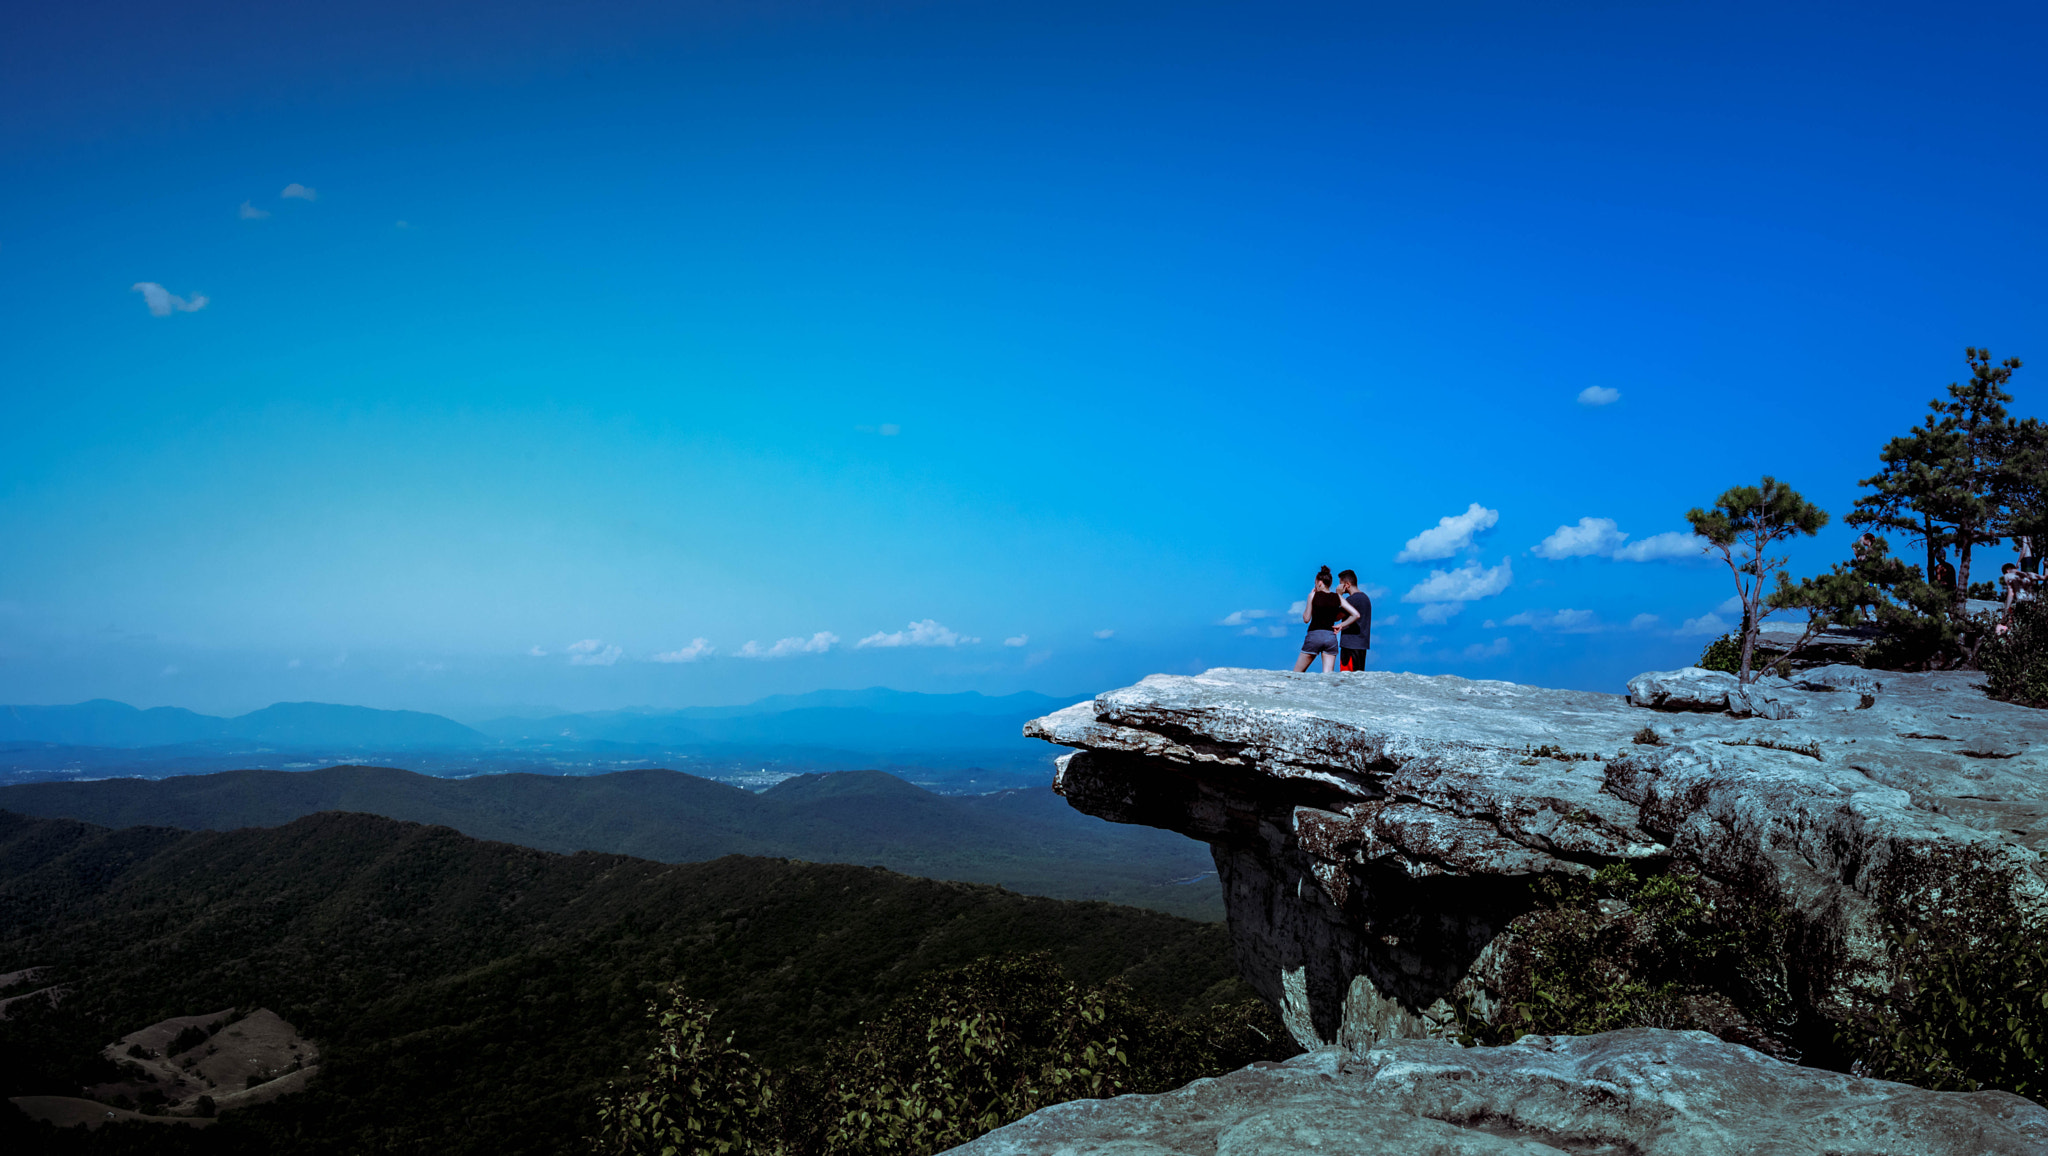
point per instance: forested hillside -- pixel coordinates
(1026, 840)
(471, 996)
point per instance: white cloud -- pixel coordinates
(1467, 583)
(292, 665)
(698, 648)
(252, 213)
(162, 302)
(1563, 621)
(1590, 536)
(536, 652)
(1598, 395)
(297, 191)
(1245, 617)
(1019, 640)
(1494, 649)
(1643, 622)
(1263, 632)
(1439, 612)
(1732, 605)
(1295, 608)
(1449, 535)
(925, 633)
(1660, 547)
(817, 643)
(592, 652)
(1704, 624)
(1105, 635)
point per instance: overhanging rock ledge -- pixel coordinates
(1376, 833)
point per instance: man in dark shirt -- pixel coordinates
(1357, 637)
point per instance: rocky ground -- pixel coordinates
(1643, 1092)
(1376, 833)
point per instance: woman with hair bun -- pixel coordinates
(1326, 615)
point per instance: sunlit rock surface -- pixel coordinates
(1375, 832)
(1645, 1092)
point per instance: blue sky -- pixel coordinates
(588, 331)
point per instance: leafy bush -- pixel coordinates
(2017, 661)
(1722, 654)
(970, 1050)
(1615, 951)
(696, 1094)
(1967, 1007)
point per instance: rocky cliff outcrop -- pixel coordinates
(1377, 833)
(1646, 1092)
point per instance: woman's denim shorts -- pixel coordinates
(1320, 642)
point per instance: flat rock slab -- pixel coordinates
(1644, 1092)
(1844, 794)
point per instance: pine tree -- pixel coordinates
(1743, 524)
(1944, 481)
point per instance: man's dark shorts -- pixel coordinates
(1354, 658)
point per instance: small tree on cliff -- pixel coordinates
(1742, 527)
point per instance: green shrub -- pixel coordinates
(968, 1051)
(1723, 654)
(1614, 951)
(695, 1094)
(1967, 1010)
(2016, 662)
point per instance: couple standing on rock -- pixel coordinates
(1339, 622)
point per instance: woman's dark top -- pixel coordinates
(1325, 610)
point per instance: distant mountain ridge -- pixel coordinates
(106, 723)
(875, 719)
(1026, 840)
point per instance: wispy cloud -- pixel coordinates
(298, 192)
(1105, 635)
(1449, 535)
(818, 643)
(1247, 617)
(926, 632)
(1704, 624)
(1468, 583)
(252, 213)
(1670, 545)
(1494, 649)
(162, 302)
(1438, 613)
(592, 652)
(537, 651)
(1018, 640)
(698, 648)
(1590, 536)
(1561, 621)
(1599, 395)
(1643, 622)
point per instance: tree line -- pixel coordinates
(1969, 475)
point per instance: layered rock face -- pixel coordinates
(1645, 1092)
(1376, 833)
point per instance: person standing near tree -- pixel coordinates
(1944, 576)
(1356, 637)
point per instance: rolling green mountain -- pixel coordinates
(471, 996)
(1025, 840)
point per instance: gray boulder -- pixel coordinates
(1645, 1091)
(1376, 833)
(1692, 688)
